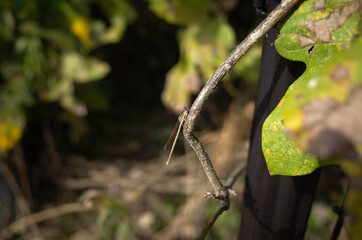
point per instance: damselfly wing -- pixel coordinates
(174, 135)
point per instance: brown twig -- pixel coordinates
(221, 192)
(32, 219)
(224, 204)
(234, 175)
(19, 198)
(17, 159)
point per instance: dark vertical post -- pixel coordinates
(274, 207)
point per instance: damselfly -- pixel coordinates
(175, 133)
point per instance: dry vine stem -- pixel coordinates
(221, 191)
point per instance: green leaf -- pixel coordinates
(179, 12)
(177, 93)
(314, 34)
(120, 14)
(59, 38)
(7, 24)
(74, 69)
(80, 69)
(12, 122)
(203, 47)
(115, 32)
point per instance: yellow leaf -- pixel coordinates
(9, 137)
(80, 27)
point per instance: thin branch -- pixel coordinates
(47, 214)
(222, 191)
(19, 198)
(341, 214)
(225, 204)
(19, 162)
(234, 175)
(224, 207)
(276, 15)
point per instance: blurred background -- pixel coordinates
(89, 94)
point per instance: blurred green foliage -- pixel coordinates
(46, 48)
(48, 51)
(203, 46)
(180, 12)
(206, 39)
(113, 220)
(229, 220)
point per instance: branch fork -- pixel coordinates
(189, 117)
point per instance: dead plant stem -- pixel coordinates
(221, 192)
(47, 214)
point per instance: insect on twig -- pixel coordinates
(176, 130)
